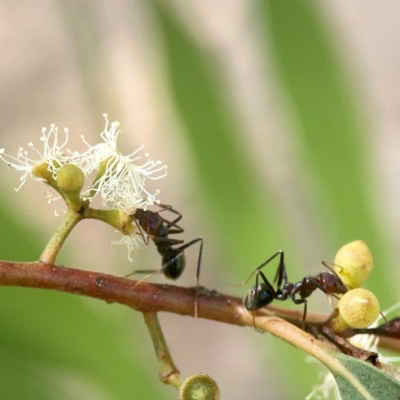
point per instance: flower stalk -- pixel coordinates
(58, 238)
(168, 372)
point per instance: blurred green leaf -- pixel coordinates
(227, 180)
(332, 134)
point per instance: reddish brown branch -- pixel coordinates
(143, 296)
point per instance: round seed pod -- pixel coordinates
(199, 386)
(358, 308)
(353, 263)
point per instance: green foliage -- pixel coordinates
(362, 381)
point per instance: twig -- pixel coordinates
(147, 298)
(169, 373)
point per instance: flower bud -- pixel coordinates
(41, 170)
(200, 386)
(70, 179)
(358, 308)
(353, 263)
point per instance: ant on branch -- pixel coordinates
(263, 293)
(152, 225)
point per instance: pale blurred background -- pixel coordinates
(279, 123)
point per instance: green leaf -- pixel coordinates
(361, 380)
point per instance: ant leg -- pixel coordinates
(164, 206)
(281, 274)
(146, 239)
(280, 253)
(198, 274)
(326, 265)
(149, 273)
(173, 223)
(303, 321)
(179, 251)
(302, 300)
(304, 292)
(179, 215)
(318, 286)
(199, 263)
(143, 271)
(255, 296)
(172, 226)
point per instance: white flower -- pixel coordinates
(122, 184)
(53, 155)
(120, 181)
(131, 242)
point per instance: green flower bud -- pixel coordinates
(358, 308)
(353, 263)
(199, 387)
(42, 171)
(70, 179)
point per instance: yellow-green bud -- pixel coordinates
(353, 263)
(70, 178)
(358, 308)
(199, 387)
(41, 171)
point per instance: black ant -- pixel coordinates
(158, 229)
(263, 293)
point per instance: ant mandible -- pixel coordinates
(158, 229)
(263, 293)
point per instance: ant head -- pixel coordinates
(341, 287)
(257, 297)
(333, 284)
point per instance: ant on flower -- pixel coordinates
(152, 225)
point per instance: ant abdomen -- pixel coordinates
(258, 297)
(175, 269)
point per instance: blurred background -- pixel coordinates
(279, 123)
